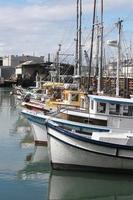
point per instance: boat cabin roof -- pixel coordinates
(111, 100)
(73, 92)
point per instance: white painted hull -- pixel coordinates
(91, 186)
(68, 152)
(39, 133)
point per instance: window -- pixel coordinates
(130, 110)
(75, 97)
(92, 104)
(101, 107)
(125, 110)
(114, 109)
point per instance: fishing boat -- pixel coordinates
(54, 96)
(71, 150)
(38, 122)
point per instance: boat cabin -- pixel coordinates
(74, 98)
(111, 111)
(70, 98)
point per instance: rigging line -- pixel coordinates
(126, 50)
(70, 47)
(61, 61)
(110, 31)
(125, 43)
(88, 37)
(126, 47)
(65, 59)
(66, 56)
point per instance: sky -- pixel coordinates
(37, 27)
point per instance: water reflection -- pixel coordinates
(65, 185)
(13, 166)
(21, 125)
(37, 164)
(7, 100)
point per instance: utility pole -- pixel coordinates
(119, 26)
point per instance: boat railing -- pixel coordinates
(72, 108)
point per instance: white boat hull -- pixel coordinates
(68, 152)
(39, 133)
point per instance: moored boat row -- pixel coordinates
(74, 145)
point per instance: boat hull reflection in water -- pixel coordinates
(37, 164)
(65, 185)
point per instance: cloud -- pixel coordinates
(39, 26)
(33, 25)
(118, 5)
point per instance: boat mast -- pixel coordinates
(80, 35)
(97, 48)
(101, 53)
(58, 63)
(77, 39)
(119, 26)
(78, 57)
(91, 50)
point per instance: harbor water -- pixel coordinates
(25, 172)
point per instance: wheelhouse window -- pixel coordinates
(114, 109)
(75, 97)
(92, 104)
(130, 110)
(101, 107)
(125, 110)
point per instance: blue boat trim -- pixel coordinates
(41, 121)
(81, 138)
(106, 99)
